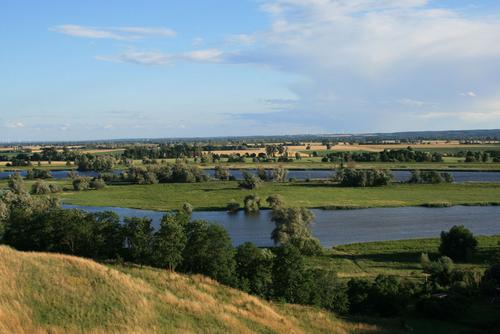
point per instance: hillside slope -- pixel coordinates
(51, 293)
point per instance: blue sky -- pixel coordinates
(116, 69)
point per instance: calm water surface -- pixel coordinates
(399, 176)
(335, 227)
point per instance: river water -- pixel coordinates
(336, 227)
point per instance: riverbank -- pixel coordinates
(215, 195)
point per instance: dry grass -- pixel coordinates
(51, 293)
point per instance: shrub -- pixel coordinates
(459, 243)
(250, 181)
(275, 201)
(252, 204)
(221, 173)
(253, 267)
(81, 183)
(442, 306)
(350, 177)
(54, 188)
(40, 188)
(97, 184)
(233, 206)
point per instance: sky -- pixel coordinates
(78, 70)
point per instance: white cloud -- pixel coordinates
(117, 33)
(358, 53)
(208, 55)
(469, 94)
(139, 57)
(15, 125)
(243, 39)
(160, 58)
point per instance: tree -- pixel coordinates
(293, 226)
(107, 235)
(169, 243)
(350, 177)
(97, 184)
(280, 174)
(327, 292)
(81, 183)
(222, 173)
(40, 188)
(187, 209)
(209, 252)
(252, 203)
(290, 282)
(16, 184)
(233, 206)
(138, 239)
(250, 181)
(254, 269)
(459, 243)
(275, 201)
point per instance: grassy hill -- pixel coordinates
(52, 293)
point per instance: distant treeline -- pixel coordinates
(402, 155)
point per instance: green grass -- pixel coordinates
(399, 258)
(216, 195)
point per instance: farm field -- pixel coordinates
(216, 195)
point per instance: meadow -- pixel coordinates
(399, 258)
(215, 195)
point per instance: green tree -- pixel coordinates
(221, 173)
(250, 181)
(254, 269)
(16, 184)
(459, 243)
(169, 243)
(280, 174)
(209, 252)
(251, 203)
(40, 188)
(275, 201)
(138, 239)
(293, 226)
(290, 281)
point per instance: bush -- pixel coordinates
(252, 204)
(54, 188)
(275, 201)
(386, 296)
(459, 243)
(81, 183)
(40, 188)
(253, 267)
(441, 306)
(250, 181)
(349, 177)
(97, 184)
(233, 206)
(221, 173)
(430, 177)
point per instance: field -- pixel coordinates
(399, 258)
(216, 195)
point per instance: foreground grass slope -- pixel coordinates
(216, 195)
(51, 293)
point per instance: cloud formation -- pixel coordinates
(116, 33)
